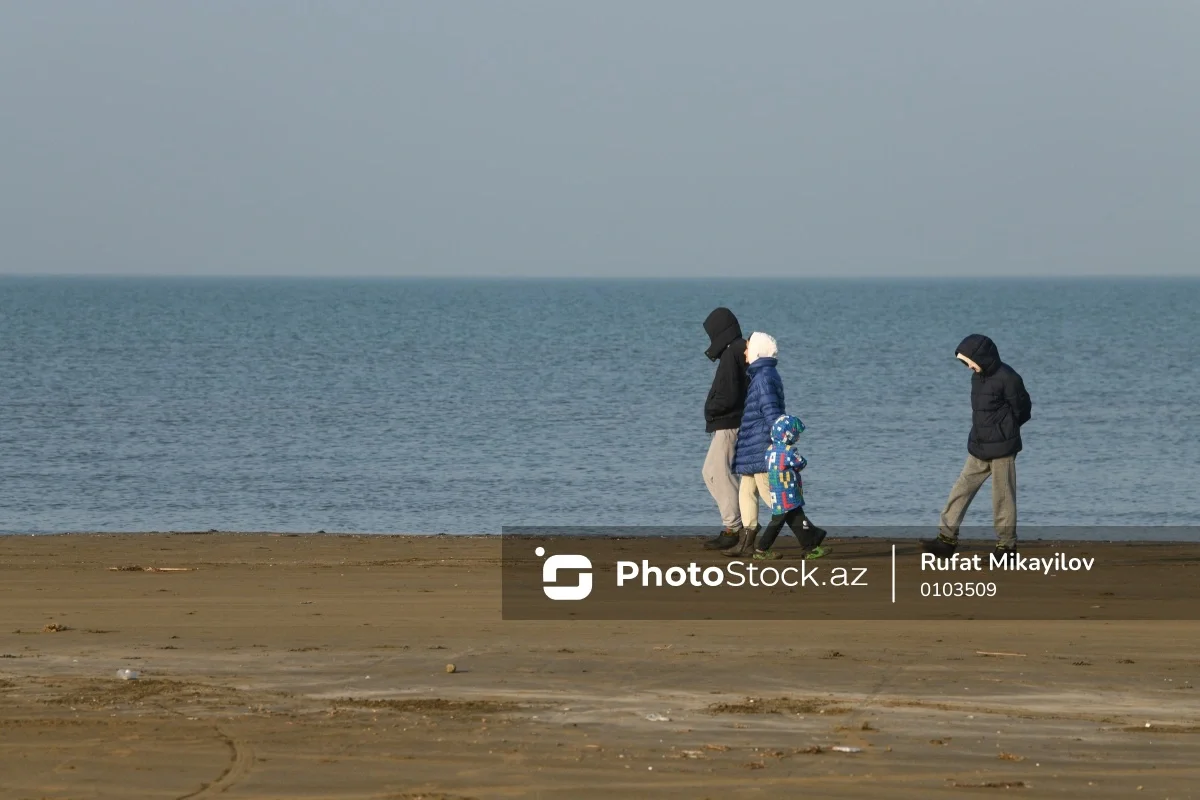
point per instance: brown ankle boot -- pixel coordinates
(745, 544)
(751, 541)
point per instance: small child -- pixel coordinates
(784, 465)
(764, 404)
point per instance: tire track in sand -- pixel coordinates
(241, 758)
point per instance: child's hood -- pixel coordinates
(786, 430)
(760, 345)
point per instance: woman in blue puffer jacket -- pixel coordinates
(764, 405)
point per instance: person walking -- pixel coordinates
(999, 407)
(764, 405)
(723, 416)
(784, 465)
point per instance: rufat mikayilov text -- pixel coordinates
(737, 574)
(1011, 562)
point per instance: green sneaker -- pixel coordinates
(767, 555)
(817, 552)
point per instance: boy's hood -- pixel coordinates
(786, 430)
(723, 330)
(760, 345)
(981, 350)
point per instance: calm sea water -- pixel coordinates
(424, 406)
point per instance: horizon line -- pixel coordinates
(604, 278)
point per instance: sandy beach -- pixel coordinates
(282, 666)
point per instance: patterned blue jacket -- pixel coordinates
(784, 465)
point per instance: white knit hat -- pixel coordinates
(760, 345)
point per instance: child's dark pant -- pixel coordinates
(804, 529)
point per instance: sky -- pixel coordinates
(657, 138)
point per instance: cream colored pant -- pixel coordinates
(750, 490)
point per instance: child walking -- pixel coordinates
(764, 404)
(784, 465)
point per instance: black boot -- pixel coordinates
(728, 538)
(745, 544)
(1007, 555)
(942, 548)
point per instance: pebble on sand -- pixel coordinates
(451, 668)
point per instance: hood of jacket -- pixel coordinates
(981, 350)
(760, 345)
(723, 330)
(786, 430)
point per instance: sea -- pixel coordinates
(465, 406)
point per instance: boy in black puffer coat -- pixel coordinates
(999, 407)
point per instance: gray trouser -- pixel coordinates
(718, 476)
(1003, 472)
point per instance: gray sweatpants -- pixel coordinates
(718, 476)
(1003, 472)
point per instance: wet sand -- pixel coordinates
(316, 667)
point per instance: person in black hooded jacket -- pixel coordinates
(999, 407)
(722, 417)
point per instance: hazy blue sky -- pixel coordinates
(600, 137)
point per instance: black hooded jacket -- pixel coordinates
(999, 403)
(727, 397)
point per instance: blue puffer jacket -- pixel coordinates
(764, 405)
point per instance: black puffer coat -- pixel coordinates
(999, 403)
(727, 397)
